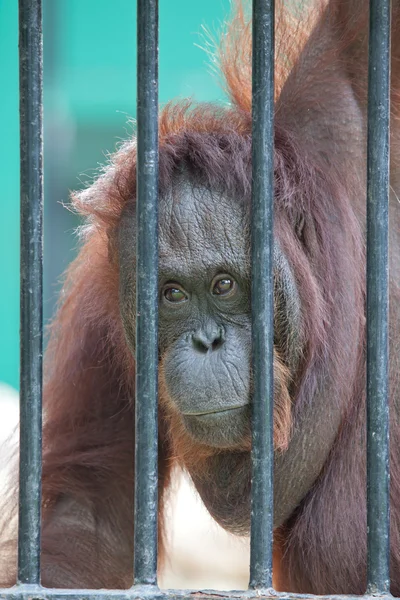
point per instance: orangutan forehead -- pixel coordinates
(202, 228)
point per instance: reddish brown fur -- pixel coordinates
(89, 389)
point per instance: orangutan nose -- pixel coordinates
(209, 338)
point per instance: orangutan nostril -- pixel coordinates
(208, 339)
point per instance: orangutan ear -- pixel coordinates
(287, 313)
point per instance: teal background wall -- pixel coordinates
(89, 95)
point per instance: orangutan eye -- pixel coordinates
(223, 285)
(174, 294)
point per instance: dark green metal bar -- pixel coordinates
(145, 532)
(31, 152)
(378, 297)
(262, 293)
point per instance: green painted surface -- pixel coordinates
(9, 199)
(89, 93)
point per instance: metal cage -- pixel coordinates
(145, 518)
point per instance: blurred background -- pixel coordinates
(89, 97)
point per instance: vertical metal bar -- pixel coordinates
(31, 148)
(145, 535)
(262, 293)
(378, 297)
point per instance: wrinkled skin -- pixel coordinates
(205, 338)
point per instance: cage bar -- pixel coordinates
(31, 303)
(146, 427)
(378, 297)
(262, 293)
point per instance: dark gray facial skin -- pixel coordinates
(207, 335)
